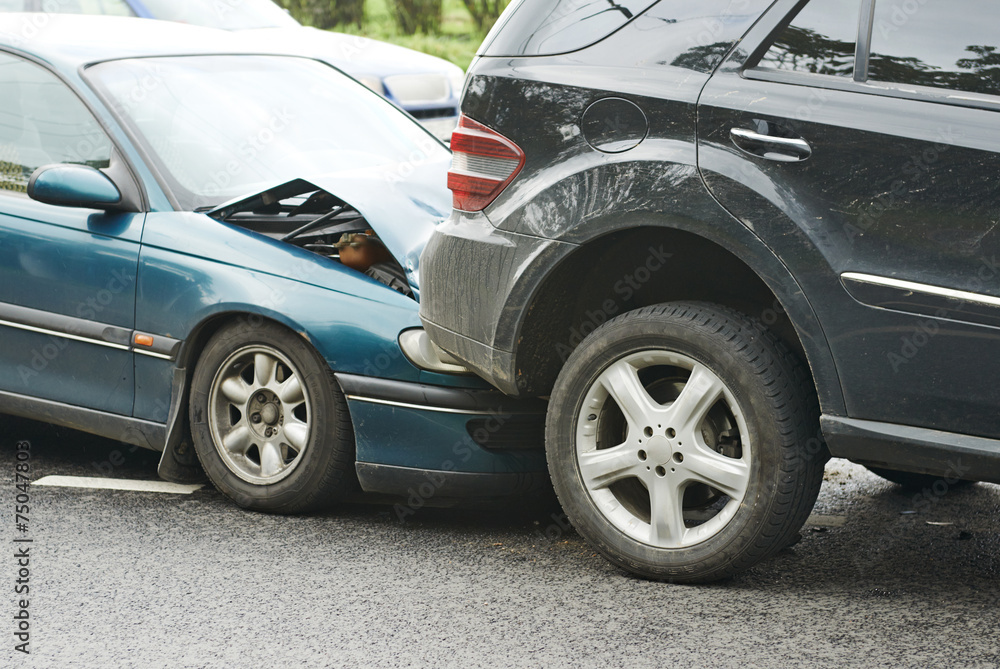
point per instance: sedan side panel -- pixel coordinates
(75, 267)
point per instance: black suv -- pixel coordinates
(728, 239)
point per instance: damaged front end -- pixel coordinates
(382, 242)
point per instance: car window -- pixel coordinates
(940, 43)
(820, 39)
(106, 7)
(218, 127)
(43, 122)
(547, 28)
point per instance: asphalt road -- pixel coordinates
(139, 579)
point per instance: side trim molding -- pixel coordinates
(88, 332)
(919, 298)
(912, 286)
(434, 398)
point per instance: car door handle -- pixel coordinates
(781, 149)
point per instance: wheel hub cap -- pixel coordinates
(270, 414)
(639, 456)
(660, 451)
(260, 415)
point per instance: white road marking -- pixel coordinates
(117, 484)
(826, 521)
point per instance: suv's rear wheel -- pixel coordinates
(678, 442)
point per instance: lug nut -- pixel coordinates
(268, 432)
(261, 398)
(255, 418)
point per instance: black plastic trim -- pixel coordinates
(891, 90)
(405, 481)
(90, 332)
(862, 51)
(913, 449)
(126, 429)
(463, 400)
(97, 333)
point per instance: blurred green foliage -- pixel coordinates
(454, 31)
(413, 16)
(485, 12)
(326, 13)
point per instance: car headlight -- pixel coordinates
(457, 80)
(425, 354)
(374, 83)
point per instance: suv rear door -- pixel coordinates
(872, 172)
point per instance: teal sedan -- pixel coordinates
(214, 253)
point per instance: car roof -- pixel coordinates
(69, 41)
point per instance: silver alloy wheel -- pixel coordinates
(669, 474)
(259, 414)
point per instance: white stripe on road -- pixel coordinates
(117, 484)
(826, 521)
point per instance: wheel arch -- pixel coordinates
(618, 269)
(178, 429)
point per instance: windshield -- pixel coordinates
(224, 14)
(218, 127)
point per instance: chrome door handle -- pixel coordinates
(782, 149)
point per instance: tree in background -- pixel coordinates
(327, 13)
(418, 15)
(485, 12)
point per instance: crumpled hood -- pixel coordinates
(401, 202)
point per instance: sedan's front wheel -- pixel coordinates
(682, 442)
(269, 423)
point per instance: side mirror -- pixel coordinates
(74, 186)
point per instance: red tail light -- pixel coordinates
(484, 162)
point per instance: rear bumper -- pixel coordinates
(494, 365)
(465, 442)
(476, 284)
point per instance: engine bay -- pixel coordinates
(301, 214)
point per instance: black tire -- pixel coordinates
(774, 461)
(912, 481)
(291, 450)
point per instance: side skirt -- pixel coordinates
(126, 429)
(913, 449)
(444, 488)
